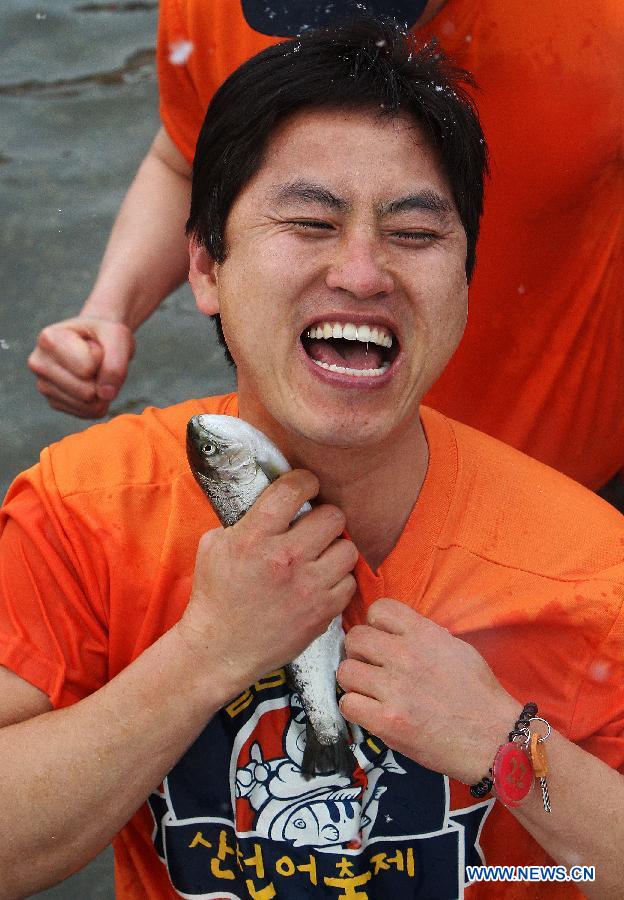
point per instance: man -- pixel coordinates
(547, 318)
(343, 188)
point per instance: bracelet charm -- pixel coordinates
(512, 774)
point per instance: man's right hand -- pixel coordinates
(264, 590)
(81, 364)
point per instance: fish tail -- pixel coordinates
(325, 759)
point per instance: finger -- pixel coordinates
(117, 343)
(342, 592)
(63, 402)
(391, 616)
(53, 375)
(370, 645)
(317, 531)
(364, 711)
(70, 347)
(278, 505)
(336, 561)
(78, 411)
(361, 678)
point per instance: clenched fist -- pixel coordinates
(263, 589)
(81, 364)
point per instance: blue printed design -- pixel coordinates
(287, 18)
(238, 819)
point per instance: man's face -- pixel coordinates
(348, 228)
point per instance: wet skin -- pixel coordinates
(350, 219)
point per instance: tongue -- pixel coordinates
(350, 354)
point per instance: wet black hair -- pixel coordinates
(364, 63)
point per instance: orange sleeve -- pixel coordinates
(52, 633)
(181, 108)
(199, 44)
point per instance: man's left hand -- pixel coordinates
(425, 693)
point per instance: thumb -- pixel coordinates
(117, 343)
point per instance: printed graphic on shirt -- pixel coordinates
(236, 818)
(287, 18)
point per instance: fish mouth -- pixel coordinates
(365, 349)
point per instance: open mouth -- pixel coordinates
(363, 350)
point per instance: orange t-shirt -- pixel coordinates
(541, 365)
(97, 549)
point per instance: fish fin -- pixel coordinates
(389, 764)
(323, 759)
(350, 793)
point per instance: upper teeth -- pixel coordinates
(365, 333)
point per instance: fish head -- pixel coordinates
(326, 821)
(217, 452)
(231, 429)
(232, 462)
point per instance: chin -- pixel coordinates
(336, 433)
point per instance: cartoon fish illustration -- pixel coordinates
(233, 462)
(322, 812)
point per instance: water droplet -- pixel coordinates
(521, 289)
(599, 670)
(179, 52)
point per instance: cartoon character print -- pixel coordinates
(325, 811)
(236, 817)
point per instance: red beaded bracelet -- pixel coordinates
(511, 774)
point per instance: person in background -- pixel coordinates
(541, 366)
(335, 209)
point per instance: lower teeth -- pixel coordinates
(347, 371)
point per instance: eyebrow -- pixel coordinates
(310, 192)
(425, 200)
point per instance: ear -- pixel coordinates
(203, 279)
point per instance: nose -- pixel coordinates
(359, 267)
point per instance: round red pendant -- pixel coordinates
(513, 774)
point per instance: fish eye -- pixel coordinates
(299, 823)
(208, 449)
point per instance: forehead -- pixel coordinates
(359, 154)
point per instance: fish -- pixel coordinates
(233, 463)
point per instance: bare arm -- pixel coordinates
(82, 362)
(147, 253)
(87, 768)
(587, 827)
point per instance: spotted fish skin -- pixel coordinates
(233, 462)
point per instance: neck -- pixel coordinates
(376, 487)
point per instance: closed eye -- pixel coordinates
(311, 224)
(424, 236)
